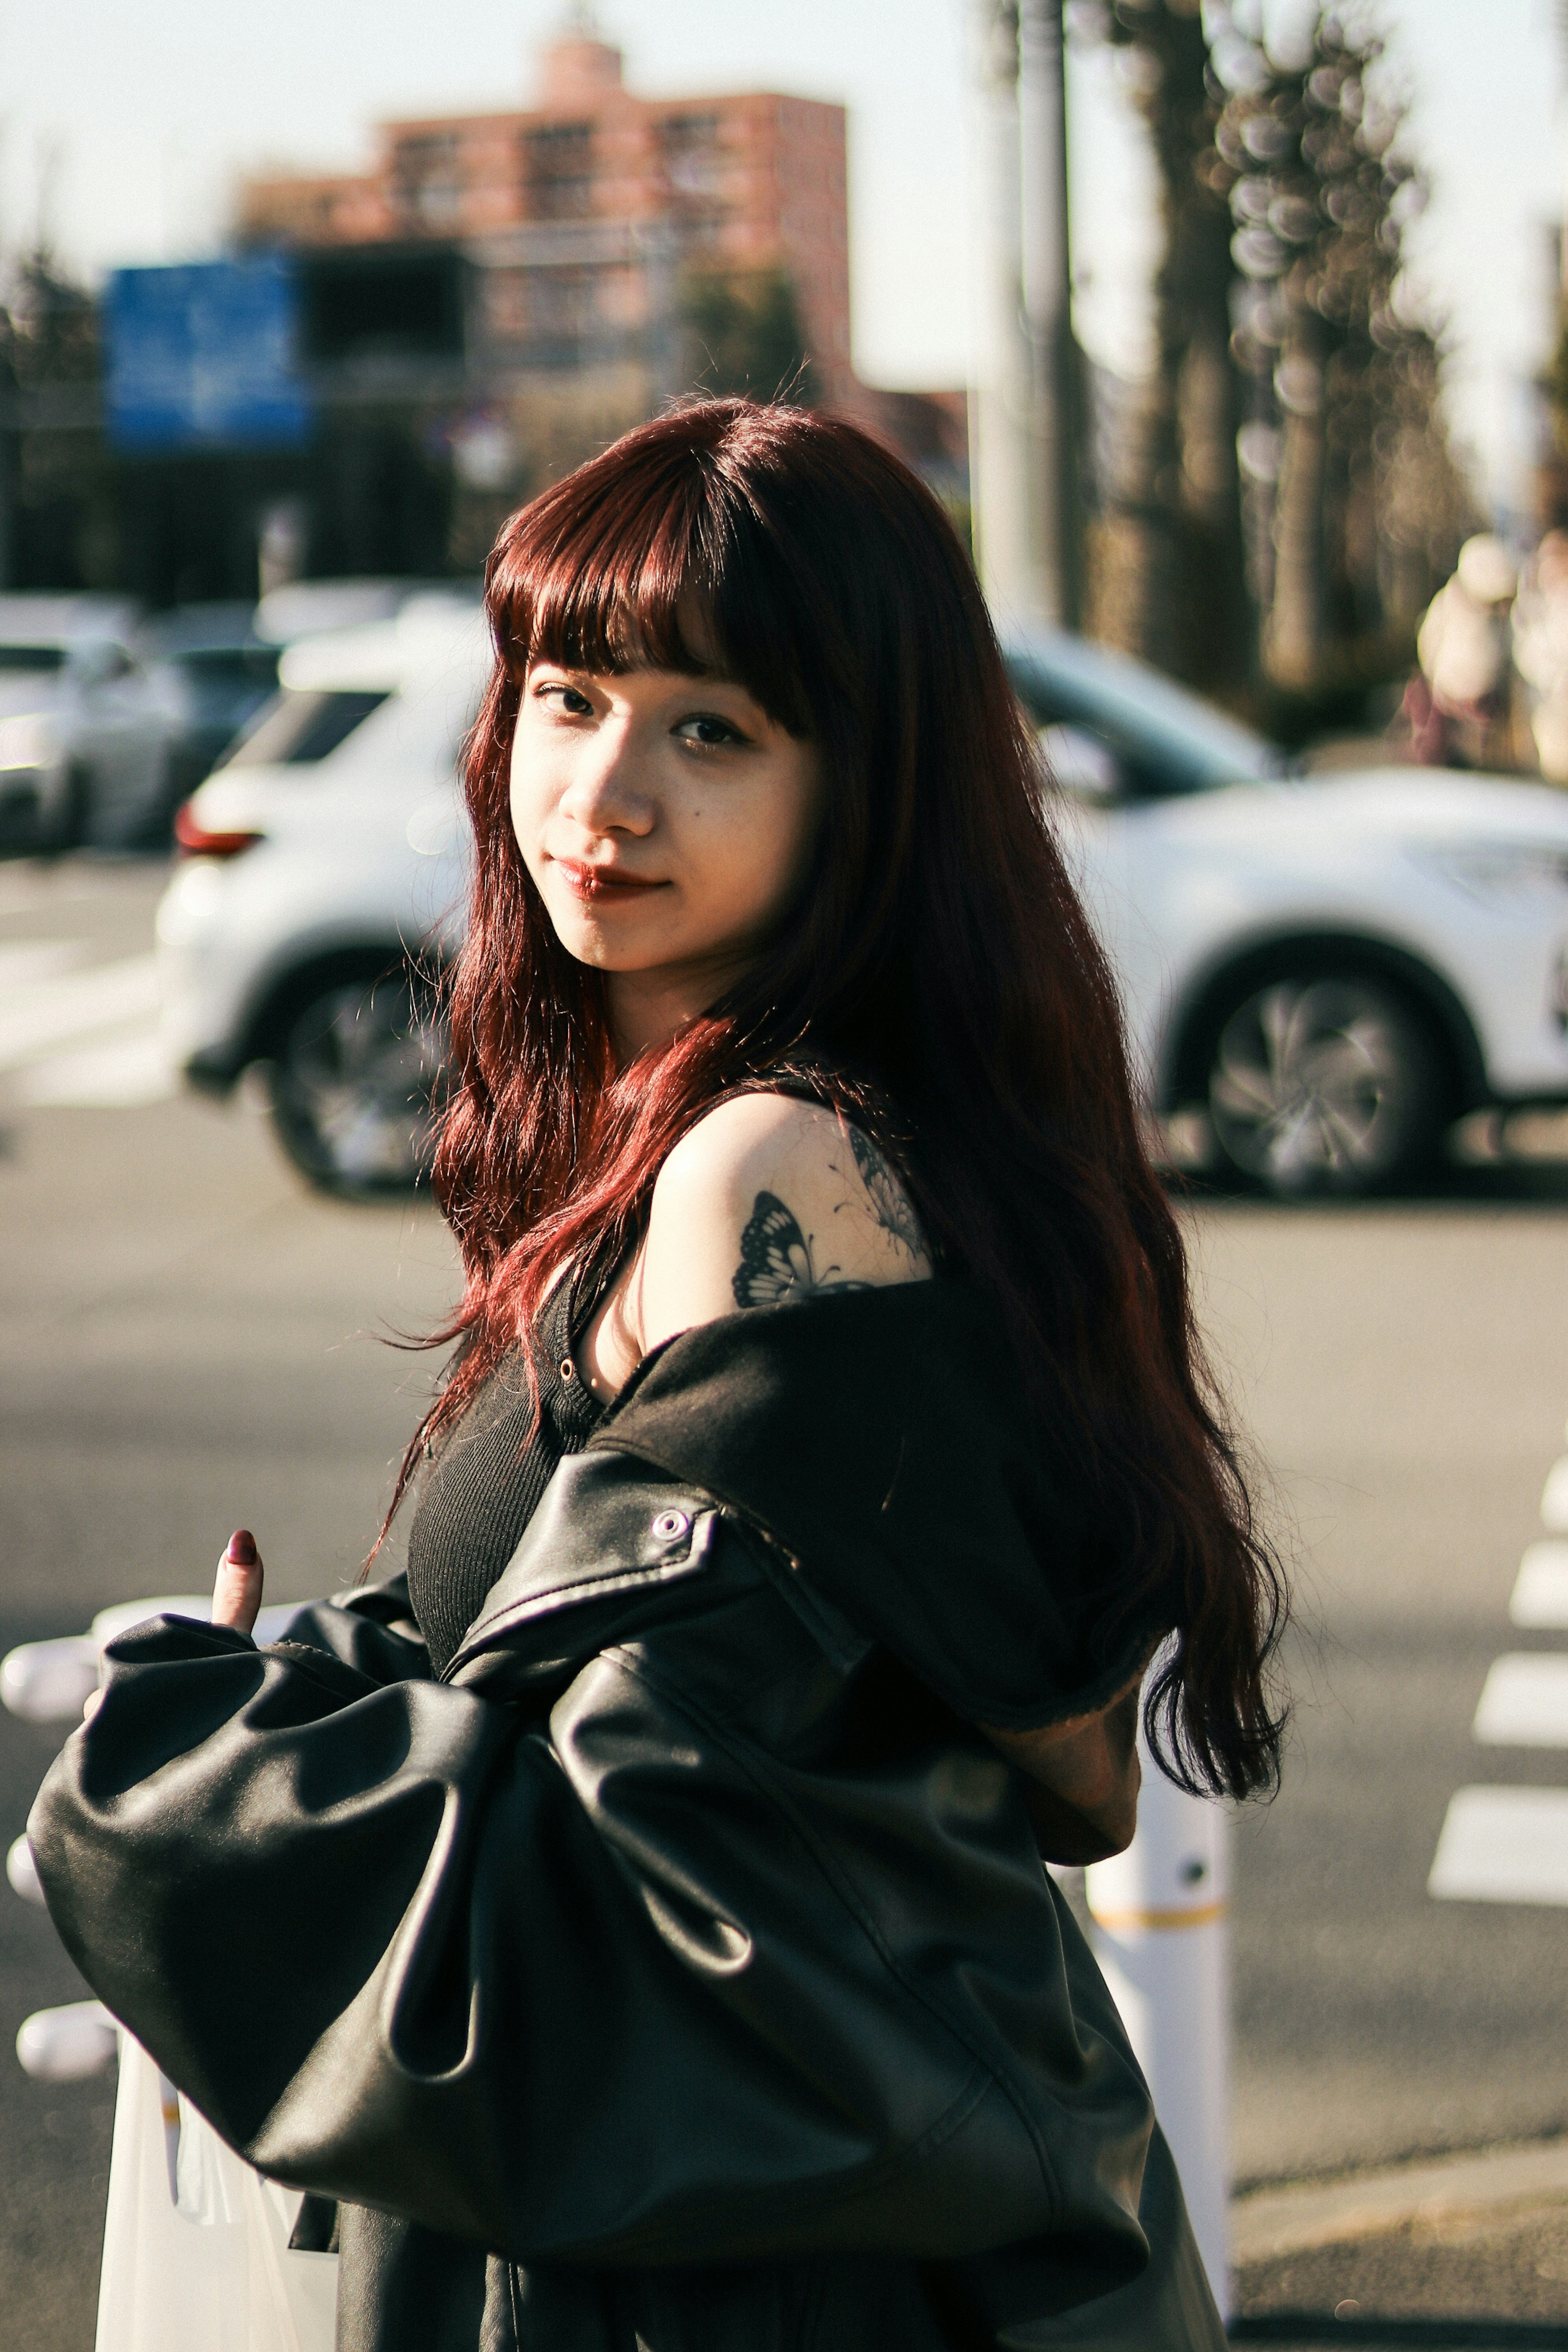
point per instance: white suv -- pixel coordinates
(1329, 969)
(323, 878)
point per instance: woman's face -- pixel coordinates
(668, 822)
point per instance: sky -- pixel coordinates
(125, 128)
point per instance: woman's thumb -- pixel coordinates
(236, 1595)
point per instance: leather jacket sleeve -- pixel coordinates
(678, 1926)
(370, 1627)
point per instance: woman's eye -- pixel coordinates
(562, 698)
(704, 726)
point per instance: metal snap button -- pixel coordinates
(669, 1524)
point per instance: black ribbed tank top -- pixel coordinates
(483, 1484)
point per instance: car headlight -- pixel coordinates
(28, 740)
(1503, 869)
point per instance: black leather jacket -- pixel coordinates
(679, 1973)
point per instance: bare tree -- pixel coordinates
(1183, 600)
(1353, 504)
(56, 490)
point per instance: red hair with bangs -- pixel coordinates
(937, 981)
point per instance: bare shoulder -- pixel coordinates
(766, 1202)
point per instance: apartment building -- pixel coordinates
(590, 215)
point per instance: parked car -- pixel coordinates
(120, 718)
(49, 647)
(322, 876)
(197, 676)
(1329, 969)
(194, 679)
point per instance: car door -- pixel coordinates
(1107, 821)
(117, 738)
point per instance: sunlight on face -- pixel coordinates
(668, 822)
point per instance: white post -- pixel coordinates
(1163, 1944)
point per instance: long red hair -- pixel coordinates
(938, 981)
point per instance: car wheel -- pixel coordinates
(1326, 1082)
(355, 1085)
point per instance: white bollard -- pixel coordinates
(110, 1624)
(49, 1682)
(22, 1870)
(66, 2045)
(1163, 1944)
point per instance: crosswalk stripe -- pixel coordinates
(1524, 1703)
(1503, 1845)
(1510, 1845)
(29, 964)
(79, 1006)
(1554, 1499)
(124, 1075)
(1541, 1590)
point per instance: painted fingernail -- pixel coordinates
(241, 1552)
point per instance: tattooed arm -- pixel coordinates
(767, 1200)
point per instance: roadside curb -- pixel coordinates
(1267, 2222)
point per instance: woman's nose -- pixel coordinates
(605, 794)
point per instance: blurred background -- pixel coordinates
(1233, 340)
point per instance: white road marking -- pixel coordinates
(1540, 1590)
(1503, 1845)
(119, 1077)
(80, 1005)
(104, 1017)
(22, 890)
(32, 962)
(1554, 1500)
(1510, 1845)
(1525, 1702)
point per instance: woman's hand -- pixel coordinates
(236, 1595)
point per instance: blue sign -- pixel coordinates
(204, 357)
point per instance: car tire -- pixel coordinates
(355, 1083)
(1326, 1082)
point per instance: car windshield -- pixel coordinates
(230, 665)
(32, 658)
(1112, 729)
(300, 724)
(227, 684)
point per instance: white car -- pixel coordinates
(324, 876)
(1330, 969)
(52, 648)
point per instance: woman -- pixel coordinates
(636, 1919)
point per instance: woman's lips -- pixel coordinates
(598, 884)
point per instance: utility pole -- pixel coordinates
(1021, 428)
(10, 444)
(1560, 16)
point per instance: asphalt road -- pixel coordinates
(188, 1340)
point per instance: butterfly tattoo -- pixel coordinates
(891, 1209)
(775, 1259)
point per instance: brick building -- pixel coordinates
(590, 214)
(497, 297)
